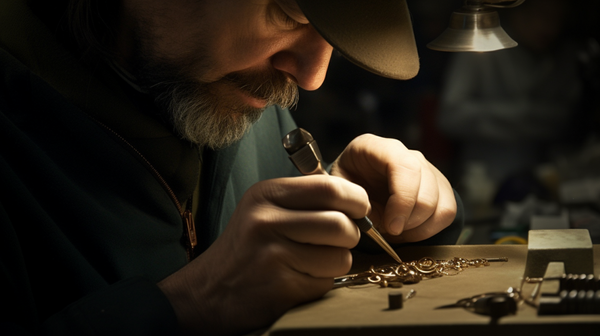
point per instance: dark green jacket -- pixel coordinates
(87, 222)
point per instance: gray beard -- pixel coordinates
(193, 109)
(205, 119)
(199, 119)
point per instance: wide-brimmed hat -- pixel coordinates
(374, 34)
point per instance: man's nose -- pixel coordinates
(305, 59)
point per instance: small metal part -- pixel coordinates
(395, 300)
(411, 294)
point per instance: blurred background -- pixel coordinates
(516, 131)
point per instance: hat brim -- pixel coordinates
(377, 35)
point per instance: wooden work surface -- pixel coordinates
(364, 310)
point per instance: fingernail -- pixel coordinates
(397, 225)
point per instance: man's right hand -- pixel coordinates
(285, 242)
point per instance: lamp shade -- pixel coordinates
(473, 29)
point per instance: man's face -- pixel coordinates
(214, 65)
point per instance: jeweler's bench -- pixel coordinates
(364, 310)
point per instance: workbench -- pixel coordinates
(363, 310)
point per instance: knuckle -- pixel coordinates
(260, 221)
(366, 137)
(447, 215)
(262, 218)
(343, 228)
(335, 223)
(345, 261)
(368, 140)
(418, 154)
(428, 204)
(330, 187)
(408, 200)
(395, 144)
(412, 162)
(259, 192)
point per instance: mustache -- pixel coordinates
(272, 86)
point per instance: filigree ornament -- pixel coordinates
(394, 275)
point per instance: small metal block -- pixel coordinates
(395, 300)
(572, 246)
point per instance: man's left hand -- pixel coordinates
(411, 199)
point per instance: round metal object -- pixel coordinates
(473, 29)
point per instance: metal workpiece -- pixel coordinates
(306, 156)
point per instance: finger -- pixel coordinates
(317, 261)
(315, 192)
(428, 196)
(330, 228)
(405, 176)
(442, 217)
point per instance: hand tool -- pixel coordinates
(306, 156)
(495, 305)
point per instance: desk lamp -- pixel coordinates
(476, 27)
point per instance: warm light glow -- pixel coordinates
(486, 40)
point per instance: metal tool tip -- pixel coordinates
(296, 139)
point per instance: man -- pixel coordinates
(143, 116)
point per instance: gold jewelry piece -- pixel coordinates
(394, 275)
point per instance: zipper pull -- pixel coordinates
(191, 228)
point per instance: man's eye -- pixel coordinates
(283, 20)
(289, 22)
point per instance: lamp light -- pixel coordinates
(475, 27)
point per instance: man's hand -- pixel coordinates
(289, 237)
(285, 242)
(411, 199)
